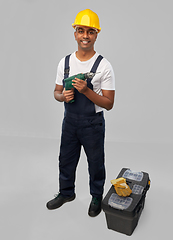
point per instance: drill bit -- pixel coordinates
(90, 75)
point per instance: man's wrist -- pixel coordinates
(62, 98)
(86, 91)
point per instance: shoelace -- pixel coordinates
(95, 201)
(56, 195)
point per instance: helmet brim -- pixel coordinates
(76, 25)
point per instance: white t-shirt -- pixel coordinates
(105, 79)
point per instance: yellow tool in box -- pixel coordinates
(121, 187)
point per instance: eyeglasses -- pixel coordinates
(89, 32)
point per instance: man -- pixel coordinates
(83, 123)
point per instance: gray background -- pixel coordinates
(136, 38)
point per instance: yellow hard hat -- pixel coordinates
(87, 18)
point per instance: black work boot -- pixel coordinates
(58, 201)
(95, 207)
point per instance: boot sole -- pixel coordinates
(94, 214)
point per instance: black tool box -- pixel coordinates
(122, 213)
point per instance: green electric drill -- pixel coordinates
(82, 76)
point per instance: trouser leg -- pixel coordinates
(68, 159)
(94, 149)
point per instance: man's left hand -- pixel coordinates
(80, 85)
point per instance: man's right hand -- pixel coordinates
(68, 95)
(61, 95)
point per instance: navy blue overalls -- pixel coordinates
(82, 126)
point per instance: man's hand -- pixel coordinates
(68, 95)
(80, 85)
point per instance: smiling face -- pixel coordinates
(85, 37)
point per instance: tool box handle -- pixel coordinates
(139, 208)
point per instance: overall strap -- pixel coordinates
(67, 67)
(94, 69)
(97, 62)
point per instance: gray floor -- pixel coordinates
(29, 178)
